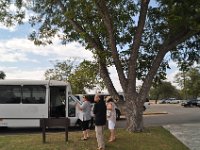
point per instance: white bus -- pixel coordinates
(24, 102)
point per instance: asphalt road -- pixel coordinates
(164, 114)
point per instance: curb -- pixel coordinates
(148, 113)
(154, 113)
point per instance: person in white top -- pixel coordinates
(111, 117)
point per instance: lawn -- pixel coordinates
(153, 138)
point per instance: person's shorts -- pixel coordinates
(85, 125)
(111, 124)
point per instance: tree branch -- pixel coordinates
(167, 46)
(136, 44)
(97, 45)
(103, 10)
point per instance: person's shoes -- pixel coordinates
(100, 148)
(111, 140)
(83, 138)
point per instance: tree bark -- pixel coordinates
(134, 113)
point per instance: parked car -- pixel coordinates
(162, 101)
(174, 101)
(183, 102)
(198, 103)
(169, 101)
(190, 103)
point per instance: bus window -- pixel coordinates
(71, 107)
(77, 97)
(10, 94)
(33, 94)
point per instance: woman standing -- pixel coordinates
(85, 117)
(111, 117)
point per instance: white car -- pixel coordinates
(174, 101)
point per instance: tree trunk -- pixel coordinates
(134, 114)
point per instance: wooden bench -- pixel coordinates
(54, 122)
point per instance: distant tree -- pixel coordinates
(85, 76)
(81, 76)
(180, 78)
(61, 70)
(164, 90)
(190, 83)
(193, 83)
(2, 75)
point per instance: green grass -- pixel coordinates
(153, 138)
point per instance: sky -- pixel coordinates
(21, 59)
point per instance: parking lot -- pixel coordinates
(164, 114)
(183, 123)
(171, 114)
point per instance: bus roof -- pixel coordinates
(32, 82)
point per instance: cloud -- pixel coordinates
(17, 53)
(12, 57)
(171, 76)
(20, 49)
(17, 73)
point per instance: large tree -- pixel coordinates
(128, 34)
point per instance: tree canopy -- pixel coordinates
(132, 35)
(190, 83)
(164, 90)
(82, 76)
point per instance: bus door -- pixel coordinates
(72, 110)
(57, 101)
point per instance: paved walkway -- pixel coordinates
(189, 134)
